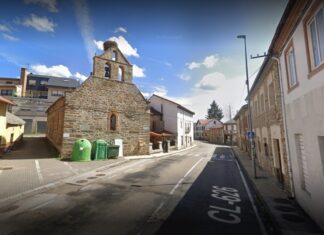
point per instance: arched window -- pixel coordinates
(114, 56)
(107, 71)
(113, 121)
(120, 74)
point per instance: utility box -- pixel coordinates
(81, 150)
(99, 150)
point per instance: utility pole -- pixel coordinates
(249, 107)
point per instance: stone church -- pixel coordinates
(106, 106)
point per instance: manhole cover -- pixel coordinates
(92, 177)
(82, 181)
(100, 174)
(8, 208)
(293, 218)
(136, 185)
(282, 200)
(6, 168)
(285, 208)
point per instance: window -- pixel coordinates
(321, 148)
(32, 82)
(113, 122)
(316, 28)
(43, 82)
(271, 94)
(6, 92)
(120, 74)
(265, 145)
(57, 93)
(114, 56)
(262, 103)
(107, 71)
(291, 66)
(314, 37)
(302, 161)
(8, 82)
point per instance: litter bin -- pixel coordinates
(99, 150)
(112, 151)
(81, 150)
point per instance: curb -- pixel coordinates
(275, 227)
(158, 155)
(43, 188)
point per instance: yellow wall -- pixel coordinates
(5, 132)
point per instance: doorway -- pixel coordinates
(278, 166)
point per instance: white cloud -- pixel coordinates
(99, 44)
(50, 5)
(10, 37)
(160, 91)
(85, 24)
(56, 71)
(4, 28)
(120, 30)
(184, 77)
(138, 71)
(208, 62)
(146, 94)
(80, 76)
(211, 81)
(42, 24)
(123, 45)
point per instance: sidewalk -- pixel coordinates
(285, 214)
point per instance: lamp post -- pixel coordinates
(249, 107)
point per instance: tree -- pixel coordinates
(214, 112)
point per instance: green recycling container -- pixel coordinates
(99, 150)
(81, 150)
(112, 151)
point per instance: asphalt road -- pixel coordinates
(192, 192)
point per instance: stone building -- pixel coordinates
(230, 132)
(106, 106)
(267, 118)
(241, 119)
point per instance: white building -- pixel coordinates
(177, 119)
(299, 43)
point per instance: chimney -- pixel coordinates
(23, 81)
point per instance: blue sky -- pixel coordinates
(184, 50)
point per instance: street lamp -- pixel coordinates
(249, 107)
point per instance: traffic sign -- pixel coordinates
(250, 135)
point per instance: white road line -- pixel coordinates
(251, 200)
(156, 211)
(41, 205)
(182, 179)
(71, 168)
(39, 173)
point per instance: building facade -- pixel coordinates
(299, 44)
(33, 94)
(241, 119)
(230, 132)
(11, 126)
(106, 106)
(177, 120)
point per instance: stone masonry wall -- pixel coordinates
(271, 116)
(88, 110)
(55, 119)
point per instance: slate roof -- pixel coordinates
(58, 81)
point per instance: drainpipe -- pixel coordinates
(291, 182)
